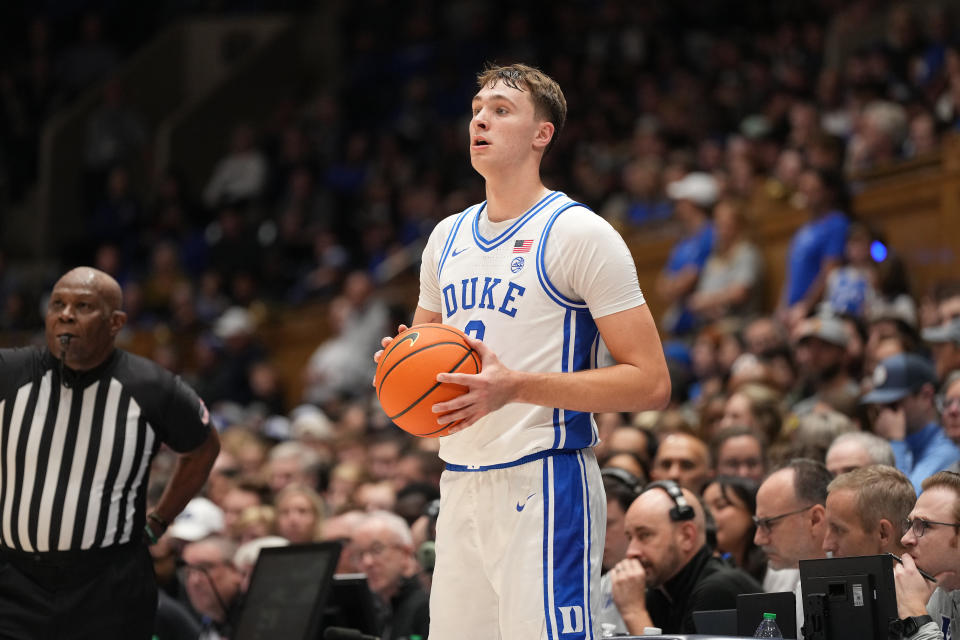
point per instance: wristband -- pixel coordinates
(151, 537)
(156, 518)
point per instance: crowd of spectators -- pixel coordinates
(685, 119)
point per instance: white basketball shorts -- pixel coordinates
(519, 548)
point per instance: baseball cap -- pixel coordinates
(697, 186)
(946, 332)
(235, 321)
(313, 424)
(898, 376)
(828, 328)
(901, 309)
(199, 519)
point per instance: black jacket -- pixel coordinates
(704, 584)
(409, 614)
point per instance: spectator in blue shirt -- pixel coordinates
(817, 247)
(902, 410)
(694, 194)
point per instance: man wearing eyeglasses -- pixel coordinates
(932, 611)
(902, 409)
(213, 584)
(791, 523)
(382, 548)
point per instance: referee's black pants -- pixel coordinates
(102, 594)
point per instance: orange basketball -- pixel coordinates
(406, 379)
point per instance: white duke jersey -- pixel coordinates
(529, 288)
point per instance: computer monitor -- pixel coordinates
(848, 597)
(352, 605)
(288, 592)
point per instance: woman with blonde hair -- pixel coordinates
(256, 522)
(299, 514)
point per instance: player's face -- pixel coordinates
(503, 128)
(845, 535)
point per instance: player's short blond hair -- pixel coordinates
(548, 100)
(883, 492)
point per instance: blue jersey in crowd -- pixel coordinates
(813, 243)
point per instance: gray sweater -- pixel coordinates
(944, 608)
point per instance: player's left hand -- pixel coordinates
(487, 391)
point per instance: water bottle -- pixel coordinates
(768, 628)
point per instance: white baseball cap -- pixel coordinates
(199, 519)
(698, 187)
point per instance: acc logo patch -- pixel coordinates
(516, 264)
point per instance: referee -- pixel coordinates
(80, 422)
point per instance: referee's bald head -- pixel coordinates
(105, 286)
(83, 317)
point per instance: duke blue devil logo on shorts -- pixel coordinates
(572, 618)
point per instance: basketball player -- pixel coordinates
(536, 280)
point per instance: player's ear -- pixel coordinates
(544, 135)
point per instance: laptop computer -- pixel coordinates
(289, 588)
(716, 622)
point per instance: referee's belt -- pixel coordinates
(53, 569)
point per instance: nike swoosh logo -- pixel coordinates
(412, 338)
(457, 252)
(520, 507)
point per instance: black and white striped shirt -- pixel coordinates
(75, 458)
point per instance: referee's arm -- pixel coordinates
(189, 474)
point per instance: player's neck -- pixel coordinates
(508, 199)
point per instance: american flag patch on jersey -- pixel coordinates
(522, 246)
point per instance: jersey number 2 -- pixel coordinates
(475, 329)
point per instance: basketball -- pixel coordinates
(406, 379)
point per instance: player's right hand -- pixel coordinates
(385, 342)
